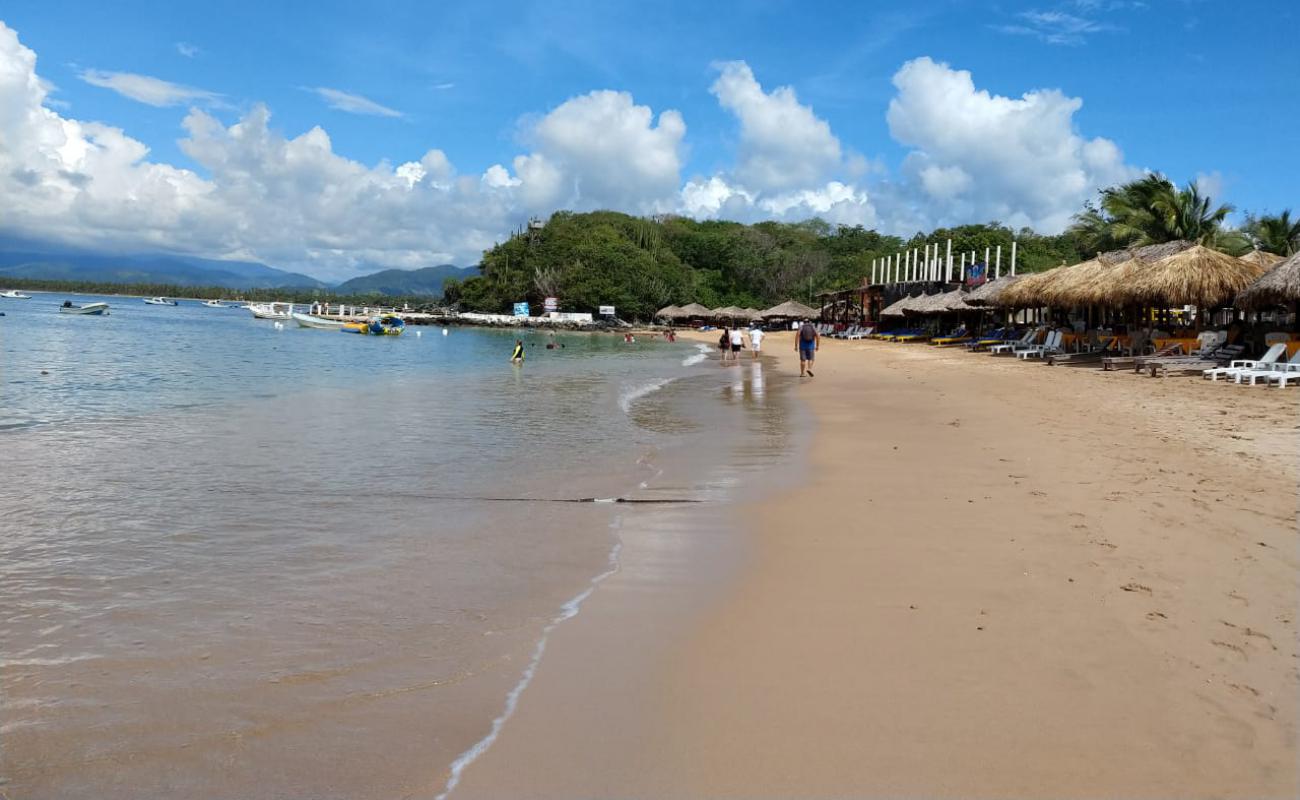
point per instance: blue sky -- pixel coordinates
(1189, 88)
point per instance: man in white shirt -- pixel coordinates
(737, 342)
(756, 340)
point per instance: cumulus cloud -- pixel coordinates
(602, 150)
(353, 103)
(145, 89)
(783, 144)
(979, 156)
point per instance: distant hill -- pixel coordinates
(148, 268)
(406, 282)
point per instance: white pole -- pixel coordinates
(1013, 258)
(873, 271)
(986, 263)
(962, 274)
(907, 266)
(948, 267)
(931, 262)
(997, 270)
(898, 268)
(916, 268)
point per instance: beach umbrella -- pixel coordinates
(695, 310)
(988, 294)
(788, 309)
(1278, 286)
(1190, 275)
(1263, 258)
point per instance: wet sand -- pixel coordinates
(994, 579)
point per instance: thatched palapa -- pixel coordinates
(990, 293)
(1279, 286)
(668, 312)
(789, 309)
(1193, 275)
(1263, 258)
(695, 310)
(902, 306)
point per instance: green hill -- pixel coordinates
(405, 282)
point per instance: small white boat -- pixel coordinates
(277, 311)
(159, 301)
(14, 294)
(87, 308)
(308, 321)
(214, 304)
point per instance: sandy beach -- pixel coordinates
(989, 579)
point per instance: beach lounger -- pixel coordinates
(861, 333)
(1266, 371)
(1246, 364)
(1218, 358)
(1094, 354)
(1009, 347)
(995, 337)
(958, 336)
(1125, 361)
(1289, 373)
(1052, 345)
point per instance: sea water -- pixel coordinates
(245, 561)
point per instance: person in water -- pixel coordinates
(517, 357)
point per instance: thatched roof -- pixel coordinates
(1262, 258)
(988, 294)
(732, 312)
(1028, 291)
(789, 308)
(752, 312)
(937, 303)
(695, 310)
(1194, 275)
(668, 312)
(1278, 286)
(898, 307)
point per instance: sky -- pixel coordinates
(336, 139)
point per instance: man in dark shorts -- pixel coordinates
(807, 342)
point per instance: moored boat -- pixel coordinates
(309, 321)
(87, 308)
(14, 294)
(215, 304)
(277, 311)
(160, 301)
(387, 325)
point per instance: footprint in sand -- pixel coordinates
(1156, 615)
(1238, 649)
(1239, 598)
(1136, 587)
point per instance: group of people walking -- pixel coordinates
(732, 341)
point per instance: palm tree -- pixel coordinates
(1149, 210)
(1275, 233)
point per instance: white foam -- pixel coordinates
(696, 358)
(636, 393)
(568, 611)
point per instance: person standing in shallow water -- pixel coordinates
(724, 344)
(737, 339)
(807, 342)
(756, 341)
(517, 357)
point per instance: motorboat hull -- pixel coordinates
(308, 321)
(91, 309)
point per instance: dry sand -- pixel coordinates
(995, 579)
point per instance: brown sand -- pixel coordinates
(998, 579)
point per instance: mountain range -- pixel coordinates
(19, 259)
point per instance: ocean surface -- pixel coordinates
(242, 562)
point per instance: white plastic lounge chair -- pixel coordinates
(861, 333)
(1287, 373)
(1266, 372)
(1052, 345)
(1241, 365)
(1024, 341)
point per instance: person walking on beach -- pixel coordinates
(807, 342)
(517, 357)
(724, 344)
(737, 338)
(756, 340)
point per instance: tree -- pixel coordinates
(1149, 210)
(1276, 233)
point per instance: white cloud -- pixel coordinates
(188, 50)
(146, 89)
(353, 103)
(979, 156)
(783, 144)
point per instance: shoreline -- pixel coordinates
(996, 580)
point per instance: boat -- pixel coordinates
(309, 321)
(276, 311)
(160, 301)
(215, 304)
(87, 308)
(14, 294)
(387, 325)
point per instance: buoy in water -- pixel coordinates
(417, 334)
(279, 326)
(444, 331)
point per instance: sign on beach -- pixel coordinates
(552, 304)
(607, 311)
(521, 309)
